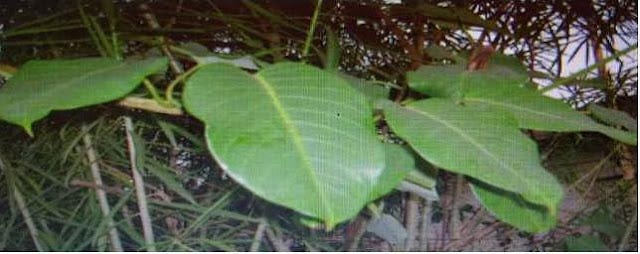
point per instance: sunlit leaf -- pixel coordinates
(292, 134)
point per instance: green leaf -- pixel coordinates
(293, 134)
(370, 90)
(451, 81)
(399, 163)
(584, 243)
(482, 144)
(537, 112)
(512, 209)
(614, 117)
(41, 86)
(502, 87)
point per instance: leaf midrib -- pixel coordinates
(297, 140)
(472, 141)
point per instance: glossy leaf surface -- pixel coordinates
(41, 86)
(485, 145)
(512, 209)
(293, 134)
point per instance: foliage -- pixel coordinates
(305, 138)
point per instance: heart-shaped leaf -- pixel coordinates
(485, 145)
(41, 86)
(293, 134)
(512, 209)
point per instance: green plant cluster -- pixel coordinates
(304, 137)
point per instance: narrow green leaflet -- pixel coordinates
(537, 112)
(41, 86)
(293, 134)
(486, 145)
(512, 209)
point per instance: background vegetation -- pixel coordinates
(196, 207)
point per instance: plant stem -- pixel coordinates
(411, 223)
(176, 81)
(277, 243)
(562, 81)
(628, 231)
(149, 105)
(424, 227)
(312, 28)
(102, 195)
(257, 238)
(147, 229)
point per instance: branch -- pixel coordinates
(102, 195)
(147, 229)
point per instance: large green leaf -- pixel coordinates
(41, 86)
(293, 134)
(513, 209)
(503, 86)
(534, 111)
(450, 81)
(485, 145)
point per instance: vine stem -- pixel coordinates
(562, 81)
(114, 237)
(312, 29)
(147, 229)
(176, 81)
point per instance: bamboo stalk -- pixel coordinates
(147, 229)
(114, 237)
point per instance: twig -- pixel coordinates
(107, 189)
(455, 217)
(276, 242)
(27, 218)
(410, 222)
(424, 227)
(257, 238)
(359, 226)
(312, 28)
(102, 195)
(25, 212)
(147, 229)
(153, 24)
(149, 105)
(628, 231)
(562, 81)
